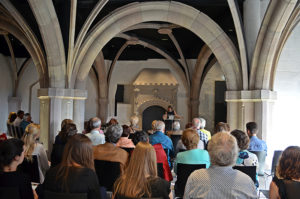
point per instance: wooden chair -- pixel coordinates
(107, 172)
(31, 168)
(9, 130)
(248, 170)
(183, 172)
(261, 156)
(9, 193)
(54, 195)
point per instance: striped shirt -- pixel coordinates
(219, 182)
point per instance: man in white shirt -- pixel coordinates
(18, 120)
(95, 136)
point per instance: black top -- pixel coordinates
(56, 154)
(80, 180)
(17, 179)
(159, 188)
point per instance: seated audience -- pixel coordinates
(158, 137)
(11, 118)
(140, 136)
(18, 120)
(140, 178)
(245, 158)
(196, 126)
(256, 144)
(32, 147)
(134, 120)
(76, 172)
(175, 130)
(222, 127)
(95, 136)
(202, 126)
(151, 131)
(124, 142)
(109, 151)
(12, 155)
(63, 123)
(26, 121)
(287, 172)
(64, 135)
(189, 125)
(220, 180)
(193, 155)
(113, 121)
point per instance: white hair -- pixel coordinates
(176, 125)
(196, 123)
(202, 123)
(95, 123)
(134, 120)
(159, 125)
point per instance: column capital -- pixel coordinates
(61, 93)
(251, 96)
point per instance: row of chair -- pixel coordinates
(15, 131)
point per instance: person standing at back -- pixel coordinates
(256, 144)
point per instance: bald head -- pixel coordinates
(196, 123)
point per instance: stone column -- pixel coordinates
(14, 104)
(194, 108)
(247, 106)
(57, 104)
(103, 105)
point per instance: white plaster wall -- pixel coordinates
(29, 77)
(287, 106)
(207, 95)
(91, 103)
(125, 72)
(6, 90)
(124, 113)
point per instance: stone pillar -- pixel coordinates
(247, 106)
(57, 104)
(103, 105)
(194, 108)
(14, 104)
(252, 24)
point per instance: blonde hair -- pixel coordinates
(32, 132)
(133, 183)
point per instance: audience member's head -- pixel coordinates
(289, 164)
(189, 125)
(27, 117)
(176, 126)
(159, 126)
(190, 138)
(20, 114)
(241, 138)
(140, 136)
(11, 153)
(126, 131)
(95, 123)
(12, 116)
(78, 151)
(134, 120)
(223, 149)
(67, 131)
(64, 122)
(113, 133)
(133, 183)
(153, 124)
(196, 123)
(222, 127)
(251, 128)
(112, 121)
(202, 123)
(31, 134)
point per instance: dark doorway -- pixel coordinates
(220, 104)
(152, 113)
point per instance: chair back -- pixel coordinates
(292, 189)
(175, 139)
(275, 161)
(107, 172)
(183, 172)
(128, 150)
(248, 170)
(9, 130)
(52, 195)
(10, 192)
(31, 168)
(160, 170)
(19, 132)
(261, 157)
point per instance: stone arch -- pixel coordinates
(268, 42)
(172, 12)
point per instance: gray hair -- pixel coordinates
(223, 149)
(95, 122)
(159, 125)
(176, 125)
(196, 123)
(202, 123)
(113, 133)
(26, 116)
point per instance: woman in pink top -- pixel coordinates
(124, 142)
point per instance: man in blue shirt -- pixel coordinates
(26, 121)
(159, 137)
(256, 144)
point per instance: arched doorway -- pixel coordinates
(152, 113)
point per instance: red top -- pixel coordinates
(162, 158)
(3, 137)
